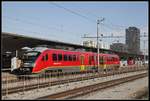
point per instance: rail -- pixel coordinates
(26, 87)
(91, 88)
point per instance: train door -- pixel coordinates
(90, 60)
(44, 61)
(82, 65)
(89, 67)
(101, 62)
(95, 61)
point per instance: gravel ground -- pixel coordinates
(34, 94)
(122, 91)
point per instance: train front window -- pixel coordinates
(30, 56)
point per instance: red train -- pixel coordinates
(56, 60)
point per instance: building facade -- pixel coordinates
(120, 47)
(89, 43)
(133, 40)
(104, 45)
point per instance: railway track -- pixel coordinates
(31, 77)
(20, 78)
(76, 92)
(52, 83)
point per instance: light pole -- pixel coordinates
(98, 22)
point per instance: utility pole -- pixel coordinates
(98, 22)
(144, 53)
(144, 50)
(97, 46)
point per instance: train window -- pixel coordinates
(54, 57)
(108, 59)
(92, 58)
(43, 58)
(100, 59)
(77, 58)
(74, 57)
(70, 57)
(59, 57)
(65, 57)
(114, 59)
(46, 58)
(82, 59)
(95, 58)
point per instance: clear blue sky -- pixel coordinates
(46, 20)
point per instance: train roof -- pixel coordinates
(104, 54)
(42, 49)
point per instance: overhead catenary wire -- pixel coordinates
(55, 38)
(29, 31)
(32, 23)
(109, 26)
(73, 12)
(112, 25)
(78, 14)
(89, 19)
(38, 25)
(67, 10)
